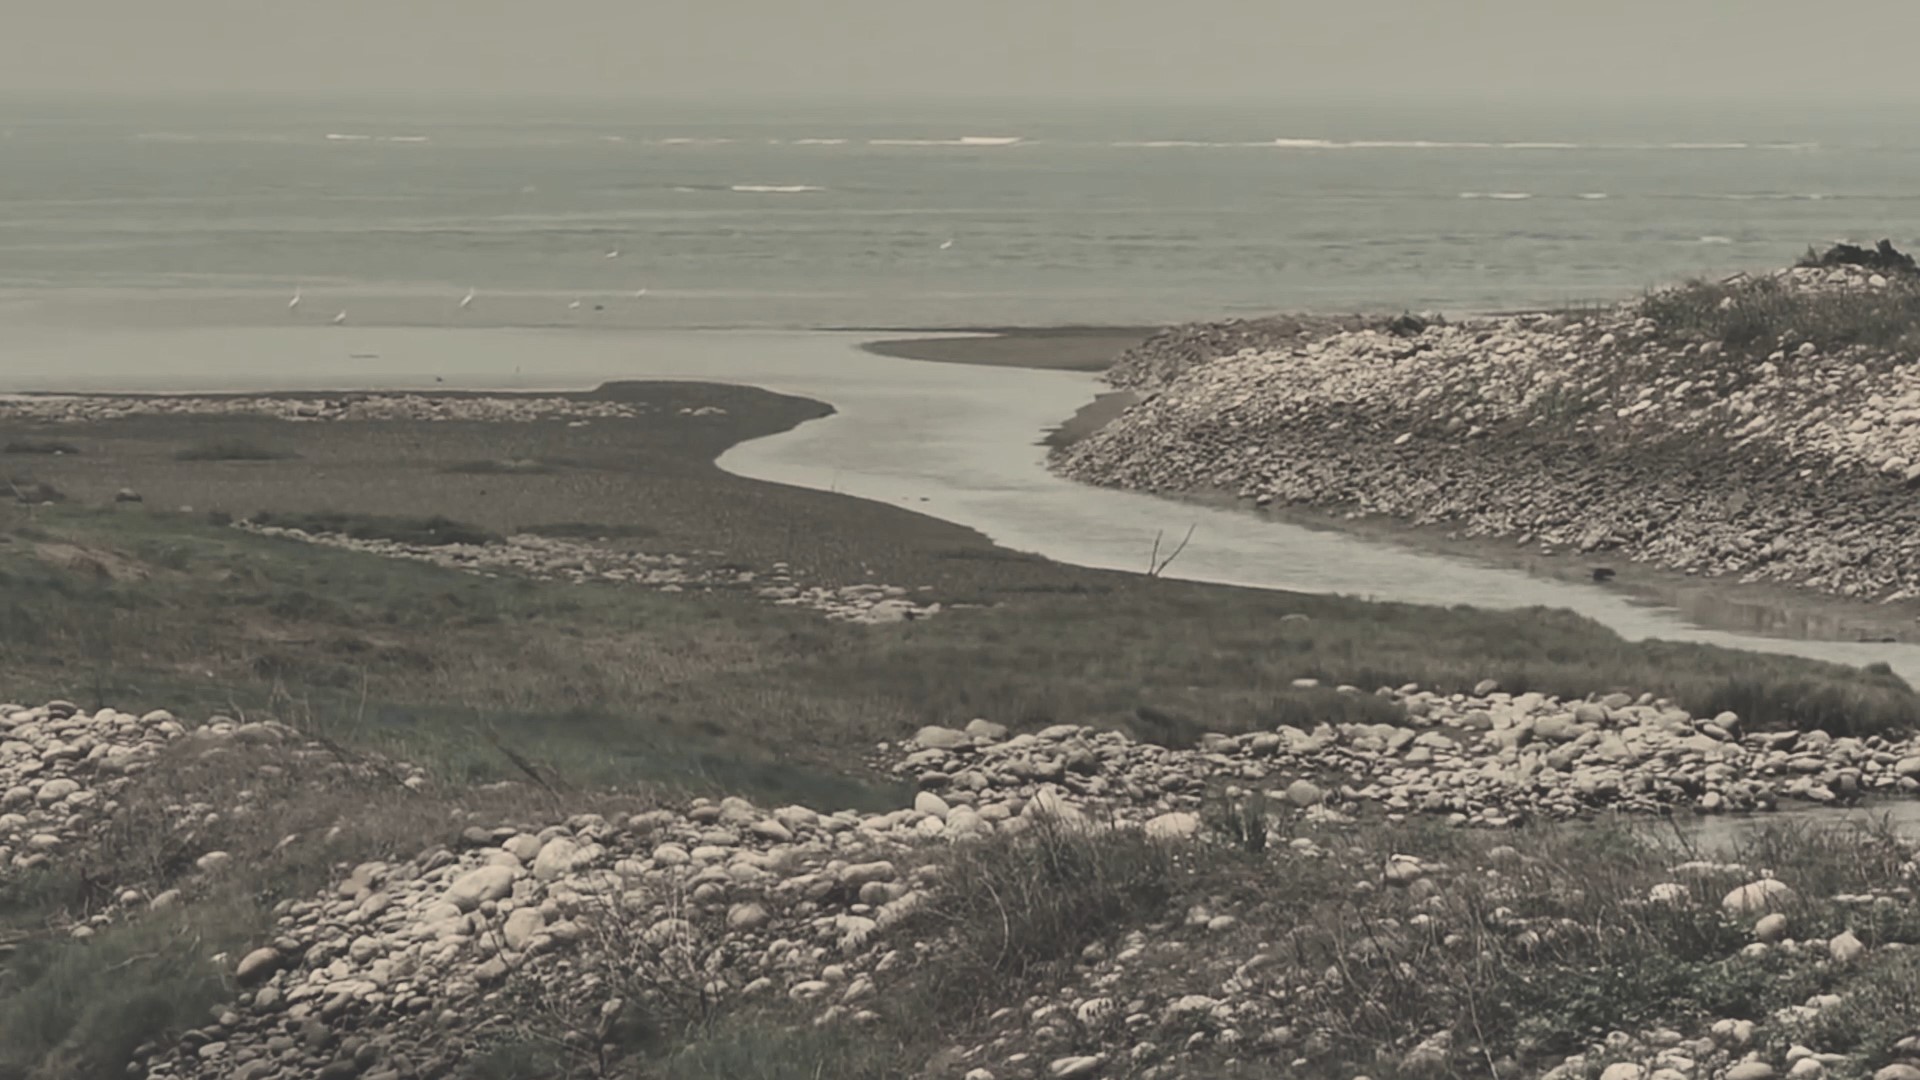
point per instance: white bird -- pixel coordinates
(467, 300)
(340, 318)
(575, 306)
(614, 254)
(295, 302)
(947, 244)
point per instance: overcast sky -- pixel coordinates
(1858, 49)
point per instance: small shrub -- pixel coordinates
(231, 450)
(1017, 906)
(39, 446)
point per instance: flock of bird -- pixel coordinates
(466, 302)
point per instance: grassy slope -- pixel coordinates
(618, 684)
(140, 607)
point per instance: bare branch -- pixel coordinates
(1159, 565)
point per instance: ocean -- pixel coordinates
(907, 215)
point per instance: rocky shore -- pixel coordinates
(1740, 428)
(573, 925)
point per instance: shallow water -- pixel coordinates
(953, 441)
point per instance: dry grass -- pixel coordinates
(1755, 317)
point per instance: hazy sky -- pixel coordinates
(1256, 48)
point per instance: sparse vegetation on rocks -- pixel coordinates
(293, 911)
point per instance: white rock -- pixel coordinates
(1767, 894)
(474, 887)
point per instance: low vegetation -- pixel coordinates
(38, 446)
(1757, 316)
(610, 684)
(1501, 954)
(589, 530)
(509, 467)
(432, 531)
(231, 450)
(31, 492)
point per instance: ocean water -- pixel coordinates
(786, 216)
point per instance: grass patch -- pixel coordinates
(429, 531)
(589, 530)
(508, 467)
(1756, 316)
(621, 685)
(39, 446)
(1013, 910)
(31, 492)
(231, 450)
(78, 1009)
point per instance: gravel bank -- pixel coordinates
(407, 967)
(1787, 460)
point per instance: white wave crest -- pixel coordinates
(1716, 240)
(964, 140)
(775, 189)
(337, 136)
(1592, 195)
(819, 142)
(1505, 196)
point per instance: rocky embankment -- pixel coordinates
(554, 559)
(568, 927)
(1726, 429)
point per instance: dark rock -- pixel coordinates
(1881, 257)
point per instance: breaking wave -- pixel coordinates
(964, 140)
